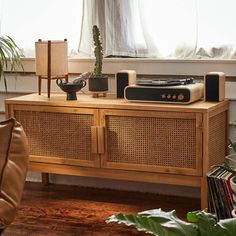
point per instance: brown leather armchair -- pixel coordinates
(13, 168)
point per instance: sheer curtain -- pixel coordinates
(134, 28)
(120, 26)
(26, 21)
(162, 28)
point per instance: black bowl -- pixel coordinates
(71, 88)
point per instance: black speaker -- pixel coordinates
(123, 79)
(214, 90)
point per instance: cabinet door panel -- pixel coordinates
(59, 135)
(154, 141)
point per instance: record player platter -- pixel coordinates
(163, 82)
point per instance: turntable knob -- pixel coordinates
(174, 96)
(180, 97)
(163, 96)
(169, 96)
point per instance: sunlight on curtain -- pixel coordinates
(26, 21)
(191, 28)
(162, 28)
(171, 25)
(135, 28)
(216, 28)
(120, 27)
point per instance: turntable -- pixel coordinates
(182, 91)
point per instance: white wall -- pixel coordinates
(22, 84)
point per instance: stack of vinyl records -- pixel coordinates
(220, 193)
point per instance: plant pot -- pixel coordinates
(71, 88)
(233, 213)
(98, 84)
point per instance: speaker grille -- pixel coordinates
(217, 138)
(212, 88)
(151, 141)
(121, 82)
(61, 135)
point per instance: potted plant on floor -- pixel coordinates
(161, 223)
(230, 165)
(10, 57)
(98, 83)
(232, 169)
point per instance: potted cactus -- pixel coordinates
(98, 83)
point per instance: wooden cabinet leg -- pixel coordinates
(204, 193)
(45, 178)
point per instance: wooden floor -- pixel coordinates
(57, 210)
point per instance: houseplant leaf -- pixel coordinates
(226, 166)
(208, 225)
(157, 222)
(232, 145)
(9, 56)
(205, 221)
(161, 223)
(141, 223)
(226, 227)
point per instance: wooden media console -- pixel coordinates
(115, 139)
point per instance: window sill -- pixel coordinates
(146, 66)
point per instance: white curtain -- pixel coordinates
(161, 28)
(26, 21)
(120, 26)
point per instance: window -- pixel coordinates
(191, 28)
(26, 21)
(198, 29)
(165, 28)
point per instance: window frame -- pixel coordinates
(147, 66)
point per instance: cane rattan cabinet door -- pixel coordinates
(59, 135)
(168, 142)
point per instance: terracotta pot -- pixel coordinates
(98, 84)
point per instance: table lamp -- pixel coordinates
(51, 61)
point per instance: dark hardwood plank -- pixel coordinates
(71, 210)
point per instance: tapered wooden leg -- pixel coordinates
(39, 84)
(45, 178)
(49, 87)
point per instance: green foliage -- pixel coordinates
(9, 56)
(225, 165)
(232, 145)
(161, 223)
(98, 51)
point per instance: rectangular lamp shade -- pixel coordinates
(59, 58)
